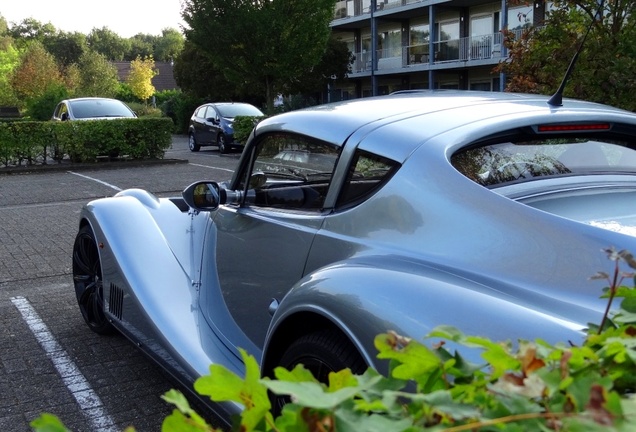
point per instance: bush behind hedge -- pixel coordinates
(33, 142)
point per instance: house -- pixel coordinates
(163, 81)
(427, 44)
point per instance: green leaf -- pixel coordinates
(351, 421)
(179, 422)
(183, 414)
(48, 423)
(298, 374)
(224, 385)
(311, 394)
(415, 361)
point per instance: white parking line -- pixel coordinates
(211, 167)
(96, 180)
(86, 398)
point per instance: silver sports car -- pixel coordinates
(485, 211)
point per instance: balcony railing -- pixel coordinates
(351, 8)
(456, 50)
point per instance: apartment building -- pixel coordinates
(427, 44)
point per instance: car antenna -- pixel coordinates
(557, 98)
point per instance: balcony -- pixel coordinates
(486, 49)
(353, 8)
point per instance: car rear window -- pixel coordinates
(523, 159)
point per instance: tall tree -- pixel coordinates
(263, 43)
(29, 30)
(604, 70)
(108, 43)
(140, 77)
(141, 45)
(97, 76)
(67, 48)
(335, 64)
(169, 45)
(196, 74)
(5, 38)
(9, 60)
(35, 73)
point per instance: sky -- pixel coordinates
(124, 17)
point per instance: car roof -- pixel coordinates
(90, 98)
(445, 109)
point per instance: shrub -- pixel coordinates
(532, 387)
(29, 142)
(41, 108)
(243, 126)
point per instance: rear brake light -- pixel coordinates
(574, 127)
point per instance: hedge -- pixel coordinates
(37, 142)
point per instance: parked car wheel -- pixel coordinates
(220, 141)
(192, 143)
(87, 278)
(321, 352)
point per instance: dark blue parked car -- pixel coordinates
(212, 124)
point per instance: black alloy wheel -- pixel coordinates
(87, 278)
(220, 141)
(321, 352)
(192, 143)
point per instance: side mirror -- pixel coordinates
(65, 116)
(203, 195)
(208, 196)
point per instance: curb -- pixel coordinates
(35, 169)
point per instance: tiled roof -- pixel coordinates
(163, 81)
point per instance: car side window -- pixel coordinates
(291, 172)
(367, 174)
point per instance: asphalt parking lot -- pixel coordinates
(49, 360)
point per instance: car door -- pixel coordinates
(213, 120)
(200, 127)
(263, 244)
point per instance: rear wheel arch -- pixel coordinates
(303, 327)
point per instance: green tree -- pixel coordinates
(9, 60)
(5, 38)
(264, 44)
(140, 77)
(141, 45)
(29, 30)
(197, 75)
(35, 73)
(67, 48)
(604, 70)
(108, 43)
(169, 45)
(97, 76)
(335, 64)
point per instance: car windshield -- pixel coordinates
(233, 110)
(521, 160)
(95, 108)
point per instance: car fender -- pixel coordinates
(150, 251)
(373, 295)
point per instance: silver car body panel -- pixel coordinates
(430, 247)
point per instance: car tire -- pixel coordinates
(192, 143)
(87, 279)
(321, 352)
(220, 141)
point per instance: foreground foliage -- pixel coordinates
(529, 386)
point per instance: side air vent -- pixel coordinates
(116, 304)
